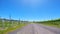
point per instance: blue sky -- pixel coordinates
(31, 10)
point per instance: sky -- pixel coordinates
(30, 10)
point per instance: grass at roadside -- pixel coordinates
(12, 28)
(53, 23)
(58, 26)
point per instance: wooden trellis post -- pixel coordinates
(2, 21)
(19, 20)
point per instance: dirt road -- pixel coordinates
(36, 29)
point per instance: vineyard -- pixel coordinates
(9, 24)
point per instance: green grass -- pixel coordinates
(12, 28)
(58, 26)
(54, 23)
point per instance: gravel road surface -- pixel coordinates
(36, 29)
